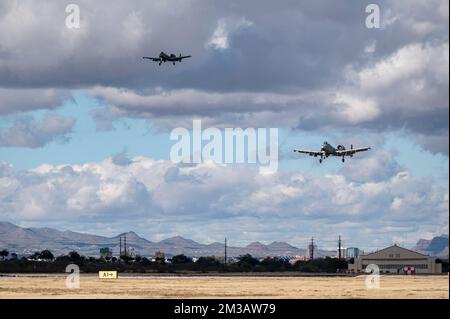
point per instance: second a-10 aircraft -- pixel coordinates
(328, 150)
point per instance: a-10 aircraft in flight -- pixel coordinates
(328, 150)
(163, 57)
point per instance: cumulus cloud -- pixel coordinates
(121, 159)
(21, 100)
(311, 66)
(37, 50)
(5, 169)
(299, 53)
(220, 38)
(377, 167)
(221, 197)
(436, 143)
(408, 89)
(26, 131)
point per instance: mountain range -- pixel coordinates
(25, 241)
(438, 246)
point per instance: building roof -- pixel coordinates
(395, 251)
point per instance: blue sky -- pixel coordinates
(138, 137)
(86, 143)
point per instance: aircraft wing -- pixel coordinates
(150, 58)
(310, 153)
(352, 151)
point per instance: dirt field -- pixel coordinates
(225, 287)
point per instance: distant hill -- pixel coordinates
(437, 247)
(28, 240)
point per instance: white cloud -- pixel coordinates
(146, 190)
(28, 132)
(408, 63)
(226, 26)
(21, 100)
(262, 67)
(356, 110)
(371, 47)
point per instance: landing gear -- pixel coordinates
(343, 160)
(320, 161)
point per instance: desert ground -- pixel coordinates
(53, 286)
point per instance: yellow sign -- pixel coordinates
(107, 275)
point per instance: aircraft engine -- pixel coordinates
(341, 147)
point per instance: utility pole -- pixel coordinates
(225, 260)
(339, 247)
(120, 247)
(311, 249)
(125, 245)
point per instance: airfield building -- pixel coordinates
(352, 252)
(394, 259)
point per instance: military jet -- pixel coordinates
(163, 57)
(328, 150)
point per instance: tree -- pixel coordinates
(247, 259)
(275, 263)
(126, 258)
(75, 256)
(328, 265)
(181, 259)
(160, 257)
(206, 262)
(4, 253)
(145, 261)
(46, 255)
(35, 256)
